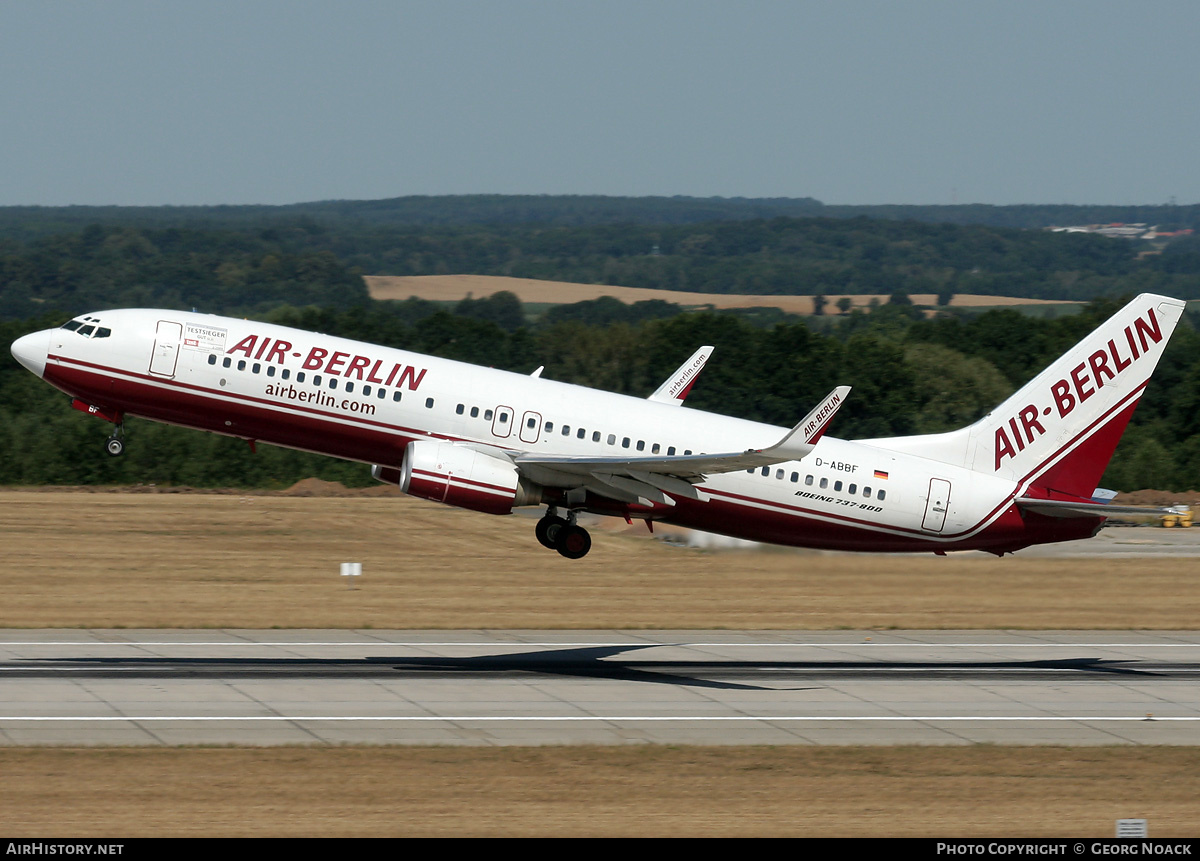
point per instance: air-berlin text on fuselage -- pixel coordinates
(1083, 381)
(335, 363)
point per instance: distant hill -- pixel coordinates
(24, 222)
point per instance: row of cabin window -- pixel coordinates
(852, 489)
(580, 433)
(286, 374)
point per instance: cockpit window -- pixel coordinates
(87, 328)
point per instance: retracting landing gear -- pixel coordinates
(115, 444)
(563, 534)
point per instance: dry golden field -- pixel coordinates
(452, 288)
(176, 560)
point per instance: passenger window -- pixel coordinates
(366, 391)
(429, 403)
(795, 477)
(212, 358)
(317, 380)
(882, 495)
(641, 445)
(270, 370)
(808, 480)
(566, 431)
(300, 375)
(474, 412)
(612, 439)
(487, 415)
(241, 364)
(625, 442)
(349, 386)
(867, 492)
(226, 362)
(531, 422)
(458, 410)
(285, 373)
(595, 436)
(779, 475)
(549, 427)
(824, 483)
(256, 368)
(837, 485)
(654, 449)
(670, 451)
(766, 471)
(333, 382)
(580, 434)
(853, 488)
(396, 395)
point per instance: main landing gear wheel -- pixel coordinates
(572, 541)
(547, 530)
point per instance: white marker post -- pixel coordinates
(350, 570)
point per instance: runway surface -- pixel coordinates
(60, 687)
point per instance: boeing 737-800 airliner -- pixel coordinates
(491, 441)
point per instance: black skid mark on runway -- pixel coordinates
(595, 662)
(585, 662)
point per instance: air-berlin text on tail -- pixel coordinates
(335, 363)
(1083, 381)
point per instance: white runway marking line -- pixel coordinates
(603, 719)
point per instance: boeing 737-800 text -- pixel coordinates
(491, 441)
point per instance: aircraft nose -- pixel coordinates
(30, 350)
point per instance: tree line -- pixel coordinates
(248, 270)
(910, 375)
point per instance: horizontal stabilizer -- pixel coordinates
(1070, 508)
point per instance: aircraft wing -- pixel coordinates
(1070, 508)
(649, 479)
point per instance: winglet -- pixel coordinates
(677, 386)
(803, 437)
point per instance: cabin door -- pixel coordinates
(936, 505)
(166, 348)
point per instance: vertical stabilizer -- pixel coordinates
(1057, 434)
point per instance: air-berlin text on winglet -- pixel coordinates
(827, 409)
(1082, 383)
(336, 363)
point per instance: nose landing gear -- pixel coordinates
(115, 444)
(563, 534)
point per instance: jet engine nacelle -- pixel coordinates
(461, 476)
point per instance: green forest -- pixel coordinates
(911, 373)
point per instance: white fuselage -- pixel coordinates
(366, 402)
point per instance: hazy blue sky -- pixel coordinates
(910, 101)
